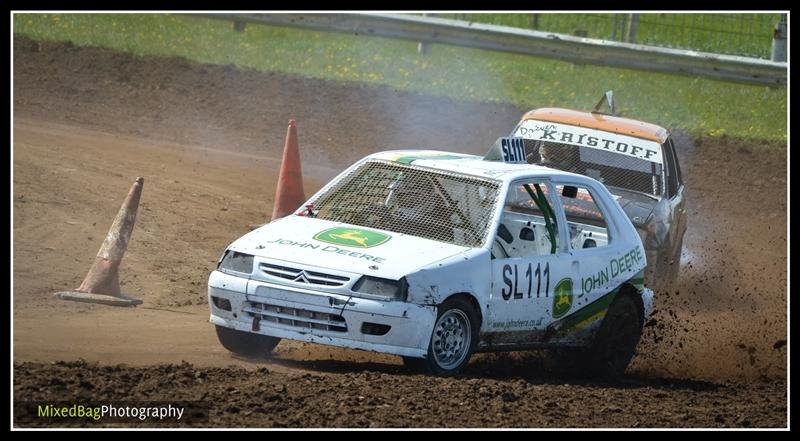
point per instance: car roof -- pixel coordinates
(600, 121)
(471, 165)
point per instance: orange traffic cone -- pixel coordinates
(289, 195)
(101, 284)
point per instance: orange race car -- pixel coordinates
(637, 162)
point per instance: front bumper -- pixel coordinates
(320, 317)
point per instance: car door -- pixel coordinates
(531, 271)
(602, 256)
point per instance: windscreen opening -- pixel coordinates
(432, 204)
(609, 168)
(615, 160)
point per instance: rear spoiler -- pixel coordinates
(607, 98)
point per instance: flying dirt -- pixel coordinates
(208, 139)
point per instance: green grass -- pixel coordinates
(701, 106)
(739, 34)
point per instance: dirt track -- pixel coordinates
(387, 397)
(206, 139)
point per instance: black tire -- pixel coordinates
(453, 340)
(616, 339)
(246, 343)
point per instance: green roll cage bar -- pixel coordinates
(549, 216)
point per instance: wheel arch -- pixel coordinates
(629, 290)
(469, 297)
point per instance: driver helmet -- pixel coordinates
(557, 154)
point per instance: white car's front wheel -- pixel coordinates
(246, 343)
(452, 341)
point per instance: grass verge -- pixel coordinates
(700, 106)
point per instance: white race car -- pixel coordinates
(433, 256)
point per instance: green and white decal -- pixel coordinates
(597, 309)
(562, 300)
(626, 262)
(408, 159)
(352, 237)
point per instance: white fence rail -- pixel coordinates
(537, 43)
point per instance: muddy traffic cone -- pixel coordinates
(101, 284)
(289, 195)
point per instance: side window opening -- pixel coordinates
(528, 226)
(586, 222)
(675, 162)
(672, 171)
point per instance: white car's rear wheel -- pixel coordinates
(612, 350)
(616, 340)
